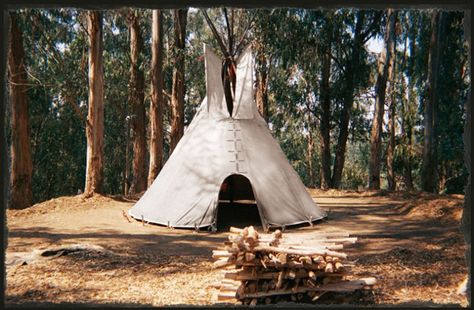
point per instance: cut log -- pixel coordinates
(236, 230)
(263, 248)
(249, 256)
(246, 275)
(344, 286)
(329, 268)
(222, 263)
(253, 303)
(281, 277)
(226, 295)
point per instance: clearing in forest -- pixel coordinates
(409, 241)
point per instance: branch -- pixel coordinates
(216, 34)
(371, 31)
(245, 34)
(339, 65)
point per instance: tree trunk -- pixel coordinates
(391, 142)
(325, 146)
(380, 87)
(177, 93)
(156, 103)
(310, 158)
(136, 98)
(466, 214)
(348, 101)
(429, 177)
(261, 94)
(392, 185)
(21, 164)
(95, 116)
(407, 120)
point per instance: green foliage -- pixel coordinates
(292, 41)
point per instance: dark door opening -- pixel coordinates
(237, 206)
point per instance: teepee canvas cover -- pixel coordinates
(215, 146)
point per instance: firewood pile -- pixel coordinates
(270, 268)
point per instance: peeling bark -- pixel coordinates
(21, 163)
(380, 90)
(95, 116)
(136, 98)
(156, 104)
(177, 92)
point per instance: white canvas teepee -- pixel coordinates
(217, 145)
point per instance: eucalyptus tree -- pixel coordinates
(21, 162)
(384, 69)
(177, 95)
(95, 116)
(136, 99)
(156, 100)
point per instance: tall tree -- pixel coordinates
(136, 98)
(325, 128)
(361, 35)
(95, 116)
(21, 169)
(177, 92)
(466, 214)
(262, 69)
(406, 117)
(391, 123)
(429, 169)
(383, 68)
(156, 104)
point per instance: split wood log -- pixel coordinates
(222, 263)
(225, 295)
(236, 230)
(246, 275)
(338, 266)
(329, 268)
(293, 265)
(249, 256)
(221, 254)
(253, 303)
(343, 286)
(263, 248)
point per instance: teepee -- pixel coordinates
(218, 144)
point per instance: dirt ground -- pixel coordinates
(409, 241)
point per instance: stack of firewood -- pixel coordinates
(268, 268)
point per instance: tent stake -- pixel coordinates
(143, 221)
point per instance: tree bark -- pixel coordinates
(21, 164)
(407, 119)
(348, 101)
(261, 94)
(177, 93)
(429, 175)
(325, 146)
(392, 185)
(466, 214)
(136, 98)
(95, 116)
(156, 104)
(380, 90)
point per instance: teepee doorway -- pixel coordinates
(237, 205)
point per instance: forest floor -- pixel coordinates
(410, 242)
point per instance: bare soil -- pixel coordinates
(409, 241)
